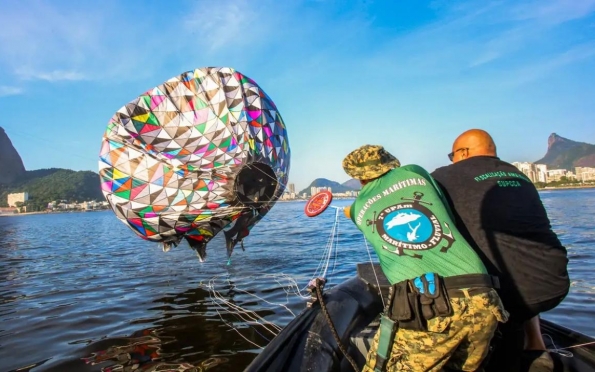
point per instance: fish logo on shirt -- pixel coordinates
(411, 225)
(407, 225)
(402, 219)
(412, 234)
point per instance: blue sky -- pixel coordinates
(410, 75)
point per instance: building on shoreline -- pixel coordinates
(556, 174)
(60, 205)
(315, 190)
(19, 197)
(540, 173)
(288, 195)
(535, 172)
(9, 210)
(584, 174)
(84, 206)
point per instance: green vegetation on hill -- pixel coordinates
(47, 185)
(353, 184)
(564, 182)
(323, 182)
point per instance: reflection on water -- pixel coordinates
(176, 343)
(196, 325)
(140, 351)
(80, 292)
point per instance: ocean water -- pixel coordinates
(80, 292)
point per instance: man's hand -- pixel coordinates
(347, 211)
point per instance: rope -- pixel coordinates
(250, 317)
(229, 324)
(324, 262)
(332, 326)
(332, 239)
(562, 351)
(375, 275)
(337, 243)
(247, 316)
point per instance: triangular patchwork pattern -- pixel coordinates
(169, 159)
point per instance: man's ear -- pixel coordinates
(464, 154)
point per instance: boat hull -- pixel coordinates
(307, 344)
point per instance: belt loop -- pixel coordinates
(496, 282)
(466, 292)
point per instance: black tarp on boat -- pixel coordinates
(307, 344)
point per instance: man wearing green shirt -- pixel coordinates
(443, 309)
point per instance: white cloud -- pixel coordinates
(51, 76)
(546, 66)
(221, 24)
(10, 91)
(122, 42)
(72, 43)
(552, 11)
(476, 40)
(46, 41)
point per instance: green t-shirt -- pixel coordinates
(406, 218)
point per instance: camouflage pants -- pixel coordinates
(459, 342)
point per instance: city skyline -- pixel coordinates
(540, 173)
(407, 75)
(525, 167)
(535, 172)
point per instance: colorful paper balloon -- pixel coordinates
(194, 154)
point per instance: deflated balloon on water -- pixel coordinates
(202, 151)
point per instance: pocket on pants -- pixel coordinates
(439, 324)
(500, 314)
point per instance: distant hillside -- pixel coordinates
(46, 185)
(323, 182)
(563, 153)
(11, 164)
(353, 184)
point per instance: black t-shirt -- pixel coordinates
(499, 210)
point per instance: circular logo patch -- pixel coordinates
(409, 226)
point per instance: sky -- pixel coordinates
(409, 75)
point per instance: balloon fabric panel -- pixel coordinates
(170, 159)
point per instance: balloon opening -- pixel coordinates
(256, 184)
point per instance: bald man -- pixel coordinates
(499, 210)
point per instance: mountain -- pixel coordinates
(563, 153)
(323, 182)
(353, 184)
(11, 164)
(47, 185)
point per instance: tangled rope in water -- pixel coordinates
(245, 317)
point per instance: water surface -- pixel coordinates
(80, 292)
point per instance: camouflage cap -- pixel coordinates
(369, 162)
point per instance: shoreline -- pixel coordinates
(21, 214)
(566, 187)
(40, 212)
